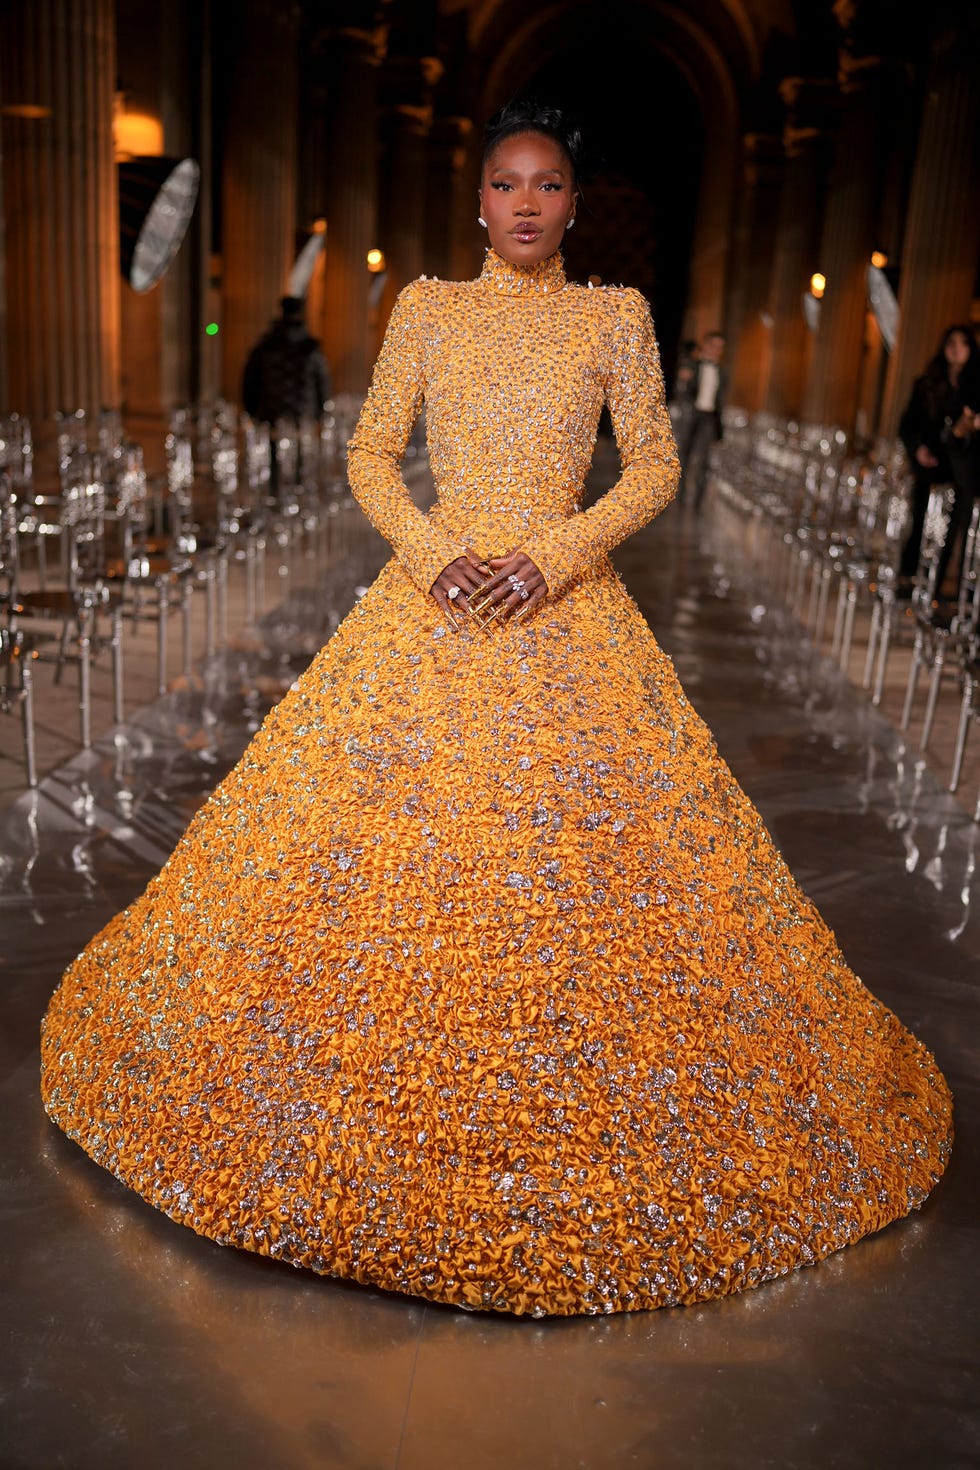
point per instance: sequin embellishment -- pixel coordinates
(479, 977)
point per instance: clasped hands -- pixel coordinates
(488, 591)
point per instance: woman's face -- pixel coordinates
(527, 197)
(956, 349)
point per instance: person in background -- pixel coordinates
(701, 384)
(940, 429)
(681, 407)
(286, 375)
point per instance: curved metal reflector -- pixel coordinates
(156, 201)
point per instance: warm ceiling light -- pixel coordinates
(818, 284)
(137, 135)
(879, 259)
(376, 260)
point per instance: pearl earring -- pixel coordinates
(481, 221)
(570, 223)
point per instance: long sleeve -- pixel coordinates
(634, 387)
(381, 437)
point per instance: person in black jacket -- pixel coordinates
(940, 429)
(698, 400)
(286, 376)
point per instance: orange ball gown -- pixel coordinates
(479, 977)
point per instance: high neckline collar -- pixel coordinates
(523, 280)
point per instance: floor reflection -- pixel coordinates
(138, 1343)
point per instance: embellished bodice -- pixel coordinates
(513, 369)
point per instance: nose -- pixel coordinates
(525, 205)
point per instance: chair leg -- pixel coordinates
(222, 574)
(884, 649)
(260, 578)
(847, 636)
(62, 650)
(163, 611)
(843, 588)
(250, 556)
(822, 600)
(209, 610)
(962, 730)
(873, 632)
(911, 685)
(187, 651)
(27, 715)
(119, 712)
(86, 618)
(938, 665)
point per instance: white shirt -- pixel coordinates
(708, 380)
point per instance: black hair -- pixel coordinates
(937, 371)
(292, 307)
(529, 115)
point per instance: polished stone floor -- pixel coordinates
(129, 1342)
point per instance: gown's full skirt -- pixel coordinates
(480, 978)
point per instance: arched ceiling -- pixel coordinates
(736, 29)
(505, 66)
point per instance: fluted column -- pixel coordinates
(746, 329)
(445, 204)
(61, 211)
(849, 236)
(939, 257)
(407, 87)
(469, 241)
(711, 247)
(164, 70)
(353, 57)
(258, 229)
(807, 146)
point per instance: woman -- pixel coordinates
(479, 978)
(939, 429)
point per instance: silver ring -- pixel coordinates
(513, 578)
(524, 593)
(453, 593)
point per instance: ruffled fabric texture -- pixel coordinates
(479, 977)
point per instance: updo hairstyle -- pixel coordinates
(529, 115)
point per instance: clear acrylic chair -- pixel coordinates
(81, 598)
(16, 650)
(872, 562)
(939, 624)
(893, 620)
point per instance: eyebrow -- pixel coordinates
(538, 174)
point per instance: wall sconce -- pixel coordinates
(375, 261)
(879, 259)
(818, 284)
(28, 111)
(135, 134)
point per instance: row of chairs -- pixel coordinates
(825, 528)
(98, 544)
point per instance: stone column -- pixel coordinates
(469, 240)
(746, 328)
(711, 248)
(258, 227)
(849, 236)
(352, 56)
(61, 210)
(407, 87)
(807, 145)
(164, 68)
(446, 156)
(939, 255)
